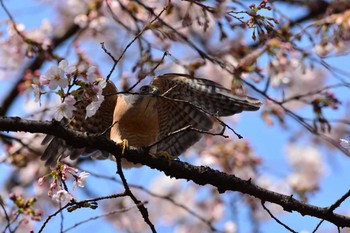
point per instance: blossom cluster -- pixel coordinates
(308, 168)
(166, 198)
(57, 190)
(62, 78)
(26, 206)
(13, 49)
(232, 157)
(334, 33)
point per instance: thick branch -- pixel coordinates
(199, 174)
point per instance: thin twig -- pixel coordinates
(78, 204)
(8, 226)
(333, 207)
(164, 197)
(116, 61)
(184, 129)
(151, 71)
(143, 210)
(23, 37)
(276, 219)
(51, 216)
(101, 216)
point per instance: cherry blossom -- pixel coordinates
(55, 77)
(66, 108)
(99, 23)
(91, 74)
(308, 168)
(81, 180)
(81, 20)
(62, 196)
(345, 143)
(37, 92)
(63, 65)
(44, 81)
(230, 227)
(92, 108)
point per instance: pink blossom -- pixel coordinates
(37, 92)
(345, 143)
(99, 87)
(41, 180)
(66, 108)
(91, 74)
(99, 23)
(43, 80)
(92, 108)
(81, 20)
(63, 65)
(308, 168)
(70, 100)
(62, 196)
(230, 227)
(81, 180)
(55, 76)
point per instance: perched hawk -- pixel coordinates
(170, 114)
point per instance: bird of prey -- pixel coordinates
(170, 115)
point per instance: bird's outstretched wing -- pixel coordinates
(185, 101)
(180, 126)
(205, 94)
(58, 148)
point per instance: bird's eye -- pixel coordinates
(144, 90)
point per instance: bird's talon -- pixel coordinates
(166, 155)
(125, 144)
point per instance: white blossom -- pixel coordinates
(81, 180)
(99, 23)
(66, 108)
(43, 80)
(81, 20)
(92, 108)
(230, 227)
(63, 65)
(345, 143)
(37, 92)
(99, 87)
(62, 196)
(91, 74)
(55, 77)
(307, 165)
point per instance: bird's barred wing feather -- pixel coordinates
(196, 96)
(173, 117)
(101, 121)
(205, 94)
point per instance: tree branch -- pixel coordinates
(198, 174)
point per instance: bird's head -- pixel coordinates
(149, 90)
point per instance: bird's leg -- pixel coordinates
(125, 144)
(165, 155)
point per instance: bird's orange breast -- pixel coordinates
(135, 121)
